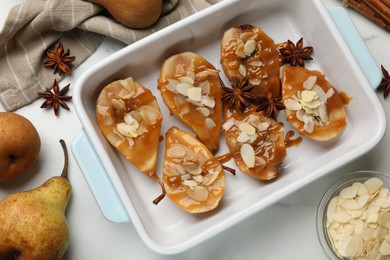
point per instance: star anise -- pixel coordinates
(59, 60)
(56, 98)
(385, 83)
(296, 54)
(270, 105)
(239, 95)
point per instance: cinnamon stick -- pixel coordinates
(377, 11)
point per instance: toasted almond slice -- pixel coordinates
(198, 193)
(129, 85)
(242, 137)
(208, 101)
(349, 192)
(310, 82)
(195, 94)
(204, 111)
(341, 217)
(247, 128)
(255, 63)
(308, 95)
(354, 246)
(385, 248)
(149, 114)
(190, 183)
(246, 36)
(118, 104)
(126, 130)
(187, 80)
(183, 88)
(210, 123)
(255, 81)
(373, 184)
(172, 83)
(384, 219)
(205, 86)
(176, 151)
(322, 97)
(291, 104)
(228, 124)
(242, 70)
(248, 155)
(249, 47)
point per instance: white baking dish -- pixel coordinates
(167, 229)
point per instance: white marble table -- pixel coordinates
(286, 230)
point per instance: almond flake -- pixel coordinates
(308, 95)
(198, 193)
(242, 70)
(187, 80)
(183, 88)
(228, 124)
(176, 151)
(208, 101)
(210, 123)
(309, 82)
(195, 94)
(246, 36)
(204, 111)
(242, 138)
(373, 184)
(291, 104)
(248, 155)
(349, 192)
(247, 128)
(249, 47)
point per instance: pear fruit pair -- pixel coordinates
(33, 224)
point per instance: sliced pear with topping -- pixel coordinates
(313, 105)
(191, 88)
(194, 179)
(255, 141)
(129, 117)
(247, 51)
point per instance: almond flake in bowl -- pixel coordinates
(353, 218)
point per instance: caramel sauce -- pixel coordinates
(273, 154)
(176, 190)
(194, 118)
(289, 141)
(268, 73)
(224, 158)
(345, 98)
(146, 143)
(293, 78)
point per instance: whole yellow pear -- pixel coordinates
(19, 145)
(135, 14)
(33, 225)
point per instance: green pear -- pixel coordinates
(33, 225)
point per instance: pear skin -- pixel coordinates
(134, 14)
(33, 225)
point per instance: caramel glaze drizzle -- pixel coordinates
(223, 159)
(290, 142)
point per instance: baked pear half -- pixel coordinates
(255, 141)
(247, 51)
(194, 179)
(129, 117)
(191, 88)
(313, 105)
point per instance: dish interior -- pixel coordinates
(166, 225)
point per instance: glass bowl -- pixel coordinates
(334, 190)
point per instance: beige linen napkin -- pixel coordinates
(37, 25)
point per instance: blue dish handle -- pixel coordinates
(356, 44)
(97, 178)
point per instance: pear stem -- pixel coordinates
(64, 173)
